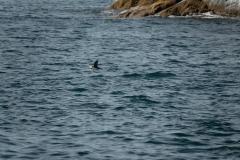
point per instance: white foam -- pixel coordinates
(110, 12)
(207, 15)
(123, 11)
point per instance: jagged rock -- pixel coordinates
(141, 8)
(225, 7)
(227, 4)
(185, 7)
(164, 8)
(127, 4)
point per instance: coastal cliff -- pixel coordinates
(165, 8)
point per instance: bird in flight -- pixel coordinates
(95, 65)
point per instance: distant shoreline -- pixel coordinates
(165, 8)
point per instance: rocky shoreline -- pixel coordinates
(165, 8)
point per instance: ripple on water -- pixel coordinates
(160, 75)
(78, 89)
(132, 75)
(141, 98)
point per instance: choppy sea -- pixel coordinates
(169, 88)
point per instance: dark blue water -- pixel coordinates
(169, 88)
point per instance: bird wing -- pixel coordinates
(95, 63)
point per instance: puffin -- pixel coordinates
(95, 65)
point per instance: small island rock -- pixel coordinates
(165, 8)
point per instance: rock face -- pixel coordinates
(164, 8)
(228, 4)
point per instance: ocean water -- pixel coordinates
(169, 88)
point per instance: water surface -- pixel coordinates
(169, 87)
